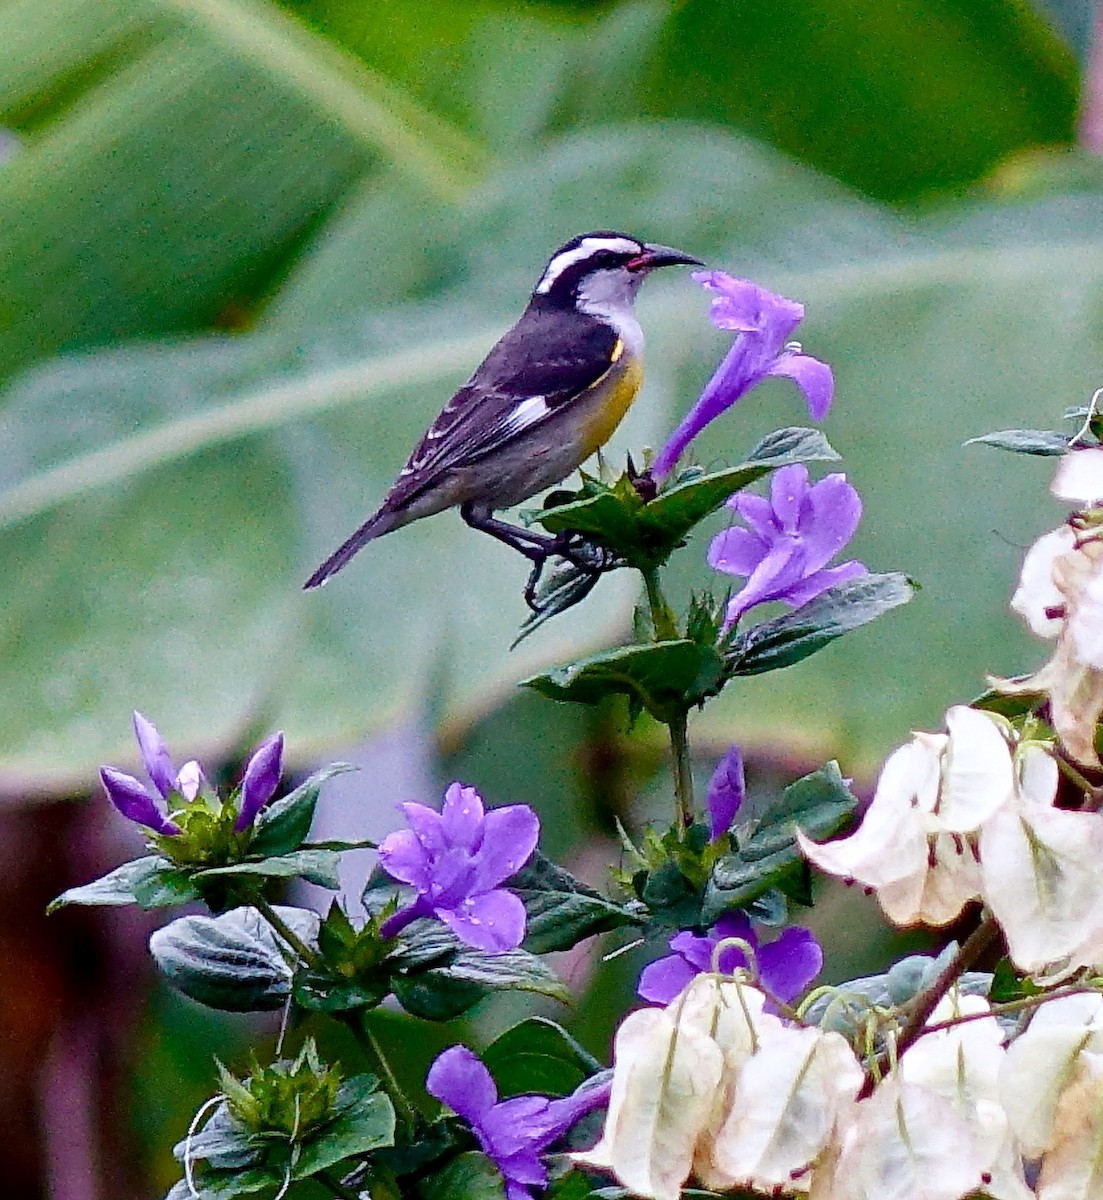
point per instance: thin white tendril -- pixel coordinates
(736, 943)
(1093, 411)
(284, 1019)
(621, 950)
(189, 1173)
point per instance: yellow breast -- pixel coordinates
(611, 397)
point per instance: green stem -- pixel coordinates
(683, 773)
(662, 616)
(369, 1043)
(309, 956)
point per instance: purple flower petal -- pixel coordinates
(155, 755)
(427, 826)
(736, 551)
(462, 817)
(834, 510)
(664, 979)
(510, 838)
(788, 965)
(814, 378)
(820, 581)
(493, 922)
(727, 791)
(734, 924)
(404, 858)
(788, 491)
(696, 950)
(779, 571)
(134, 802)
(457, 1078)
(262, 777)
(758, 514)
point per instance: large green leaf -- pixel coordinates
(173, 159)
(155, 549)
(898, 99)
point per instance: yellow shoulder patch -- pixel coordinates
(617, 351)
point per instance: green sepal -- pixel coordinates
(1044, 442)
(644, 533)
(665, 678)
(365, 1122)
(284, 826)
(785, 640)
(537, 1055)
(561, 910)
(765, 854)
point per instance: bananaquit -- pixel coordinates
(548, 395)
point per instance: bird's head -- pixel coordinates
(601, 270)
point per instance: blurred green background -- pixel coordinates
(248, 249)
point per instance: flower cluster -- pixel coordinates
(180, 789)
(969, 816)
(1060, 595)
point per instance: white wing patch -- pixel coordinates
(582, 251)
(528, 412)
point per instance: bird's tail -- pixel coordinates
(383, 522)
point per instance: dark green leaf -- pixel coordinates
(788, 639)
(170, 886)
(1010, 704)
(284, 826)
(441, 993)
(222, 1142)
(233, 961)
(562, 911)
(365, 1122)
(1008, 985)
(664, 677)
(315, 866)
(470, 1176)
(672, 514)
(1043, 442)
(562, 587)
(767, 855)
(539, 1056)
(117, 886)
(225, 1185)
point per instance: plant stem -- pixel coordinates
(980, 940)
(309, 956)
(662, 616)
(369, 1043)
(683, 772)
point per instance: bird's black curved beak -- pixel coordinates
(655, 255)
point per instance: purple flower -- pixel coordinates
(727, 791)
(137, 803)
(789, 540)
(786, 966)
(513, 1132)
(455, 860)
(764, 322)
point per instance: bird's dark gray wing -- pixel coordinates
(543, 363)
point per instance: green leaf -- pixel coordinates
(315, 866)
(538, 1056)
(664, 677)
(470, 1176)
(222, 1143)
(561, 910)
(285, 825)
(224, 1185)
(646, 534)
(441, 993)
(766, 854)
(1041, 442)
(117, 886)
(365, 1122)
(233, 961)
(786, 640)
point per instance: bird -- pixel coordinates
(548, 395)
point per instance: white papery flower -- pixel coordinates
(1042, 871)
(673, 1070)
(915, 845)
(962, 1064)
(1073, 1168)
(789, 1097)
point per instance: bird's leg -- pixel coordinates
(537, 547)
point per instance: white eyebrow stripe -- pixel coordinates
(583, 250)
